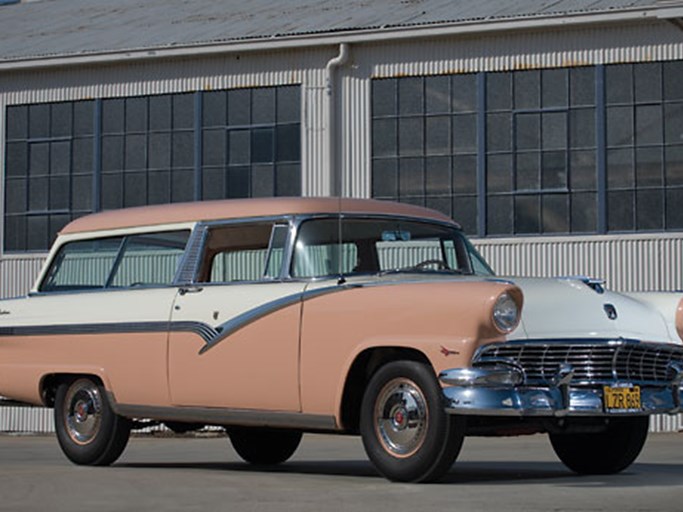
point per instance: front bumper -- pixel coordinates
(500, 390)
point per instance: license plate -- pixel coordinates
(622, 398)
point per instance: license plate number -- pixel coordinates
(622, 398)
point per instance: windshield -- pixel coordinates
(371, 246)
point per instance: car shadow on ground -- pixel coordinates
(470, 473)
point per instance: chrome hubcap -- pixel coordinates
(401, 417)
(83, 411)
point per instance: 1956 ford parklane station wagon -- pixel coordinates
(276, 317)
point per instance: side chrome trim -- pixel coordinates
(229, 417)
(201, 329)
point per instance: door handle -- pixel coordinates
(191, 289)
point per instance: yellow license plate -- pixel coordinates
(622, 399)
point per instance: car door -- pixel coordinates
(234, 340)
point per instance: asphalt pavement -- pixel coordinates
(327, 474)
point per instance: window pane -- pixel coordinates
(183, 111)
(136, 152)
(410, 177)
(527, 214)
(112, 191)
(527, 89)
(465, 174)
(554, 170)
(499, 173)
(83, 117)
(465, 213)
(674, 212)
(582, 86)
(384, 137)
(263, 105)
(498, 132)
(288, 143)
(135, 189)
(239, 147)
(410, 96)
(17, 158)
(673, 71)
(15, 233)
(37, 233)
(498, 91)
(17, 122)
(619, 84)
(112, 153)
(182, 185)
(499, 215)
(136, 114)
(112, 116)
(288, 104)
(464, 133)
(39, 121)
(15, 196)
(213, 147)
(410, 137)
(649, 124)
(554, 130)
(385, 178)
(620, 210)
(554, 87)
(60, 158)
(214, 108)
(582, 128)
(159, 150)
(183, 149)
(650, 210)
(528, 171)
(38, 194)
(238, 182)
(288, 180)
(239, 103)
(584, 213)
(82, 154)
(61, 120)
(39, 155)
(160, 112)
(464, 92)
(674, 166)
(81, 193)
(438, 176)
(648, 82)
(384, 97)
(528, 131)
(619, 126)
(437, 94)
(159, 191)
(583, 170)
(620, 168)
(438, 135)
(262, 181)
(213, 184)
(673, 123)
(262, 141)
(649, 167)
(555, 213)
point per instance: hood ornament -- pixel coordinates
(610, 311)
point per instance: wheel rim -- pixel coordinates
(401, 417)
(83, 411)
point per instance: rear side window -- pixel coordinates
(117, 262)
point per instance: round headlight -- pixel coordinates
(505, 313)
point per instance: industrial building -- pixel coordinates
(552, 130)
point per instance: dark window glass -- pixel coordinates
(288, 148)
(527, 214)
(582, 86)
(183, 149)
(619, 84)
(619, 126)
(555, 213)
(61, 120)
(135, 151)
(464, 90)
(554, 88)
(620, 168)
(239, 107)
(39, 158)
(183, 111)
(410, 177)
(136, 114)
(213, 147)
(214, 108)
(649, 125)
(287, 180)
(673, 123)
(159, 150)
(384, 97)
(584, 212)
(385, 137)
(182, 185)
(437, 95)
(673, 71)
(263, 181)
(620, 206)
(82, 154)
(17, 122)
(498, 91)
(410, 136)
(498, 132)
(649, 167)
(499, 173)
(499, 215)
(648, 82)
(410, 96)
(112, 116)
(159, 187)
(263, 105)
(239, 148)
(582, 128)
(582, 170)
(60, 158)
(83, 113)
(528, 175)
(649, 210)
(438, 175)
(385, 178)
(39, 121)
(15, 196)
(527, 89)
(262, 149)
(160, 112)
(465, 133)
(674, 212)
(288, 104)
(16, 156)
(135, 189)
(465, 174)
(528, 131)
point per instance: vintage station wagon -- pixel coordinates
(275, 317)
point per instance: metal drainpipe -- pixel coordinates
(334, 172)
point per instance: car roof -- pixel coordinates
(242, 208)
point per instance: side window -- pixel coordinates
(149, 259)
(317, 252)
(137, 260)
(243, 252)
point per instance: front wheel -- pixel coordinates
(264, 446)
(603, 453)
(88, 430)
(406, 432)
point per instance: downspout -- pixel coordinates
(333, 169)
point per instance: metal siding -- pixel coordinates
(17, 274)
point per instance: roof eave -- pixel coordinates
(372, 35)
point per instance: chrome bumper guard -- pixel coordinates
(498, 389)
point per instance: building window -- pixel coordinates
(553, 151)
(424, 143)
(48, 171)
(67, 159)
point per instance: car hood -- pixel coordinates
(570, 308)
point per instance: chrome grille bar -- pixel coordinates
(594, 362)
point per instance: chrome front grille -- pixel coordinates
(594, 362)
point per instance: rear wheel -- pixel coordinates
(264, 446)
(405, 430)
(606, 452)
(88, 430)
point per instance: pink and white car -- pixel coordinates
(275, 317)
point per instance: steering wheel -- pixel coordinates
(440, 264)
